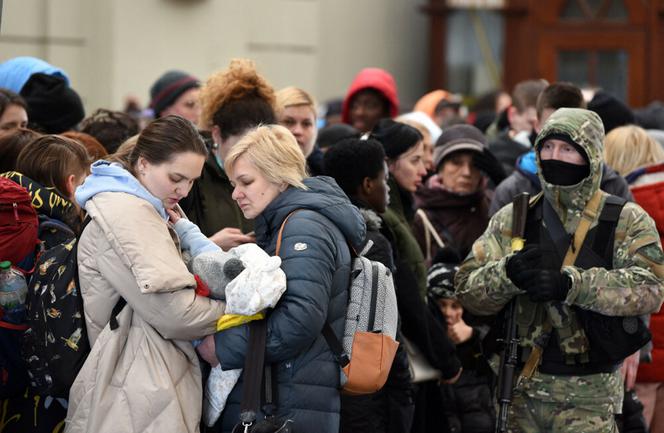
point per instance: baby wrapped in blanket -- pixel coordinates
(250, 281)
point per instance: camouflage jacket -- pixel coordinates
(635, 284)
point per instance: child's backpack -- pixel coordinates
(369, 344)
(56, 344)
(18, 244)
(18, 224)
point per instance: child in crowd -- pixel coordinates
(468, 403)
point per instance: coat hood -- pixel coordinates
(584, 128)
(323, 196)
(372, 78)
(113, 177)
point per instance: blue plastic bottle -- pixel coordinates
(13, 290)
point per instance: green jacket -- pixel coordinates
(408, 249)
(209, 203)
(635, 284)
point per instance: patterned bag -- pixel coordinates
(56, 345)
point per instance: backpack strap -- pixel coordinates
(335, 345)
(606, 227)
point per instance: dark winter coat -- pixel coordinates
(398, 219)
(316, 260)
(417, 324)
(209, 204)
(390, 410)
(458, 219)
(523, 181)
(468, 404)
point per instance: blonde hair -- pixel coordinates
(239, 81)
(272, 149)
(293, 96)
(629, 147)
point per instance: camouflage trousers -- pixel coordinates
(557, 404)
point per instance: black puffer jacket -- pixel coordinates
(468, 403)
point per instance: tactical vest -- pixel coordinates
(564, 336)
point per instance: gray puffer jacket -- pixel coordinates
(316, 260)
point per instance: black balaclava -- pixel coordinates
(564, 173)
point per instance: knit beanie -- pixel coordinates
(455, 138)
(396, 138)
(440, 280)
(611, 110)
(166, 90)
(53, 106)
(14, 73)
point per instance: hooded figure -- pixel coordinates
(569, 380)
(381, 88)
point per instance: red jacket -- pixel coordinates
(372, 78)
(647, 186)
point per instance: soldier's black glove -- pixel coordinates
(487, 162)
(519, 267)
(545, 285)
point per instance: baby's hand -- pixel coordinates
(207, 351)
(173, 216)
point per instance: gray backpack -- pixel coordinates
(369, 345)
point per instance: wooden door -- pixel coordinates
(596, 43)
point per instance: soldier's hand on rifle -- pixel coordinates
(520, 265)
(544, 285)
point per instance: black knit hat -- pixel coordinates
(53, 106)
(455, 138)
(440, 280)
(168, 88)
(611, 110)
(396, 138)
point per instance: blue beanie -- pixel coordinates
(14, 73)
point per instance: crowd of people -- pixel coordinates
(428, 193)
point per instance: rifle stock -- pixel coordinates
(509, 358)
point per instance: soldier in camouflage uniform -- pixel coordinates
(569, 390)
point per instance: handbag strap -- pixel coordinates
(254, 362)
(429, 230)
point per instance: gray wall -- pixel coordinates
(115, 48)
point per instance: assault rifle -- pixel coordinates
(509, 358)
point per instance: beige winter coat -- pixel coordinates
(144, 376)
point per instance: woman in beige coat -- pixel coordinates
(143, 376)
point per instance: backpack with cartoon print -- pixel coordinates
(56, 344)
